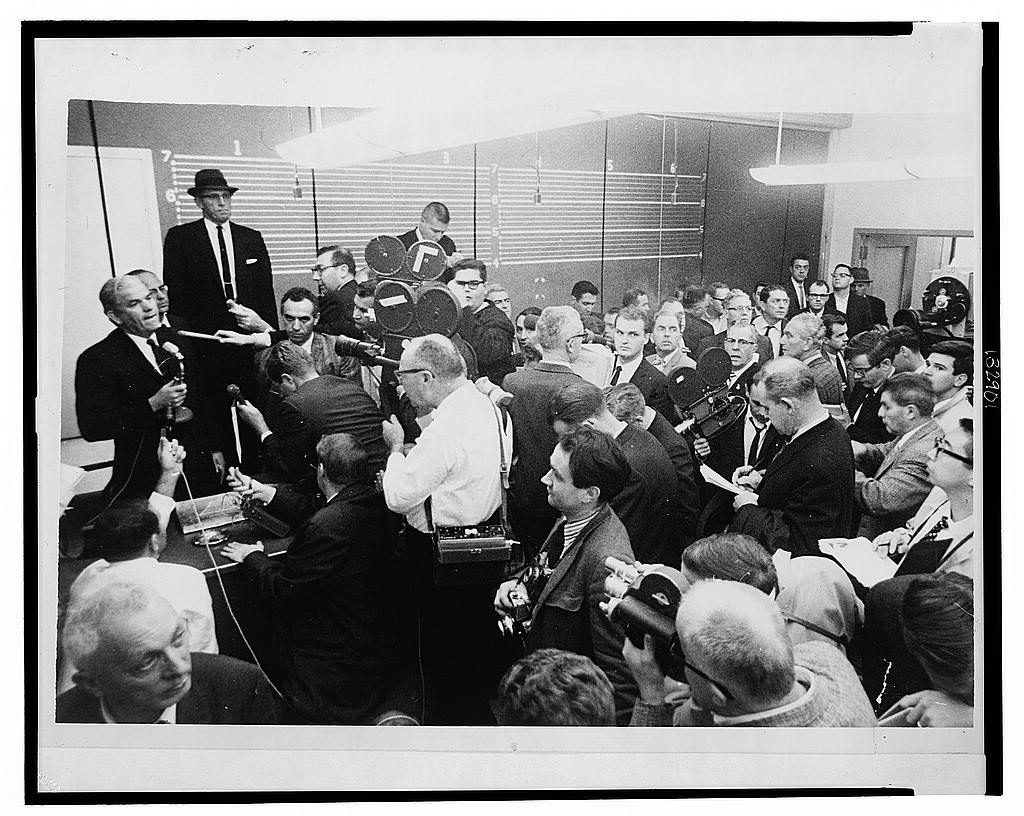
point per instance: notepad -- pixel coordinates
(860, 558)
(712, 477)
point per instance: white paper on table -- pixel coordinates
(860, 558)
(715, 478)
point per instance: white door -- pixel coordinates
(131, 204)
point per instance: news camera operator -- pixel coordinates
(455, 464)
(564, 586)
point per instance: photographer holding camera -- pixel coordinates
(453, 473)
(565, 586)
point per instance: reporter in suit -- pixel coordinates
(124, 386)
(219, 277)
(806, 493)
(892, 478)
(560, 336)
(631, 335)
(870, 361)
(861, 284)
(738, 309)
(797, 286)
(337, 623)
(434, 221)
(587, 471)
(133, 665)
(314, 405)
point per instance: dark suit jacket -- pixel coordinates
(868, 427)
(324, 405)
(764, 346)
(225, 691)
(195, 288)
(490, 333)
(695, 331)
(858, 312)
(649, 505)
(877, 310)
(794, 303)
(532, 443)
(567, 615)
(335, 627)
(409, 238)
(682, 462)
(336, 312)
(654, 386)
(113, 384)
(806, 493)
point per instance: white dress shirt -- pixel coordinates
(211, 231)
(145, 348)
(801, 294)
(774, 333)
(628, 369)
(934, 508)
(455, 461)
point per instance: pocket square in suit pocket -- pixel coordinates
(251, 260)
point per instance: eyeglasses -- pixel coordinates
(841, 275)
(941, 447)
(822, 295)
(318, 269)
(400, 371)
(721, 299)
(470, 284)
(741, 308)
(496, 301)
(676, 650)
(735, 341)
(582, 336)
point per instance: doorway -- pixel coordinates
(900, 261)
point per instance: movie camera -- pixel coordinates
(702, 395)
(945, 304)
(644, 599)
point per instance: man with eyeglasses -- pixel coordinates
(456, 464)
(847, 302)
(742, 669)
(134, 664)
(487, 329)
(817, 297)
(892, 479)
(738, 311)
(869, 359)
(335, 274)
(718, 293)
(218, 275)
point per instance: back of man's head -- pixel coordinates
(343, 458)
(787, 378)
(626, 402)
(863, 343)
(125, 530)
(732, 557)
(905, 336)
(584, 287)
(556, 325)
(287, 358)
(911, 389)
(938, 627)
(631, 297)
(738, 635)
(596, 460)
(555, 687)
(437, 354)
(575, 403)
(808, 327)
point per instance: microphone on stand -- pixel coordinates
(172, 416)
(236, 399)
(367, 352)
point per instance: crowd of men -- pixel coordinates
(850, 431)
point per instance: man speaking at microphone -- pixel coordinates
(126, 388)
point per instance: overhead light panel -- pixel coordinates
(933, 167)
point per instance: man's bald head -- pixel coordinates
(737, 635)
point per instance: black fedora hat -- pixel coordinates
(860, 275)
(210, 180)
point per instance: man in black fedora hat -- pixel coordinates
(861, 284)
(213, 267)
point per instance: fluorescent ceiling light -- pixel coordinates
(938, 167)
(391, 133)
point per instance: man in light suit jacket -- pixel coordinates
(892, 479)
(133, 665)
(219, 277)
(806, 493)
(565, 587)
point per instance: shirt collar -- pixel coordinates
(629, 369)
(308, 345)
(803, 676)
(170, 715)
(817, 419)
(737, 374)
(212, 228)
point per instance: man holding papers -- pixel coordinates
(806, 492)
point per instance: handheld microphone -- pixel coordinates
(235, 393)
(170, 412)
(368, 352)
